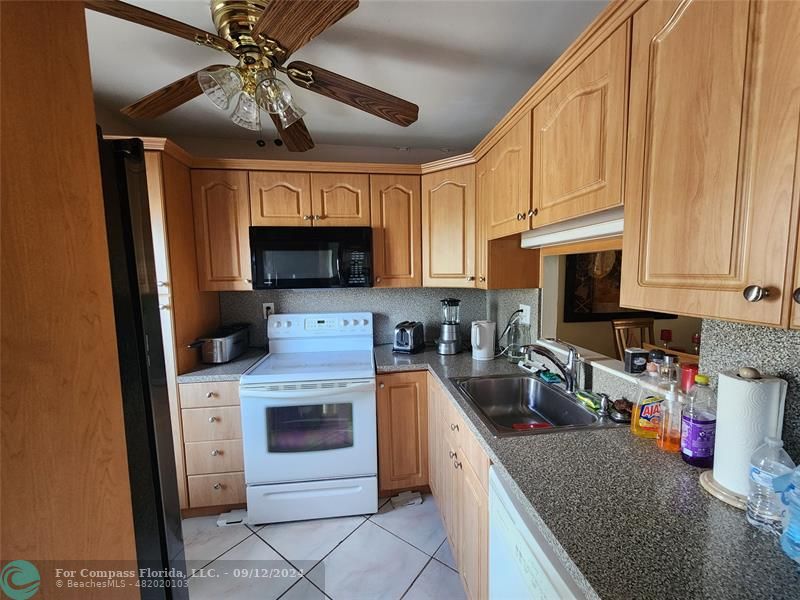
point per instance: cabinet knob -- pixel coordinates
(377, 280)
(482, 279)
(520, 216)
(317, 217)
(215, 452)
(452, 454)
(471, 278)
(163, 306)
(755, 293)
(533, 212)
(211, 394)
(382, 385)
(162, 284)
(249, 280)
(212, 419)
(453, 427)
(456, 464)
(217, 486)
(306, 217)
(796, 296)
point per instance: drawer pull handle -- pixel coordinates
(215, 452)
(453, 427)
(212, 419)
(755, 293)
(217, 486)
(456, 464)
(211, 394)
(453, 454)
(796, 296)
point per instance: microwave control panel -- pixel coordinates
(357, 268)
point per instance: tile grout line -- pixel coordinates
(425, 566)
(252, 533)
(441, 562)
(404, 540)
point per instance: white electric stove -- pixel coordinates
(309, 420)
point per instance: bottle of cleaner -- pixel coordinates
(646, 414)
(764, 507)
(669, 432)
(699, 424)
(790, 540)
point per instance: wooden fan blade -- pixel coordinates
(168, 97)
(296, 137)
(366, 98)
(294, 23)
(134, 14)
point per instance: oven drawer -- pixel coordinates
(214, 457)
(208, 424)
(207, 394)
(216, 489)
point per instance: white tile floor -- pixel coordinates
(396, 553)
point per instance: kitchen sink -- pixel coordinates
(525, 405)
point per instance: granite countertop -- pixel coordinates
(230, 371)
(626, 519)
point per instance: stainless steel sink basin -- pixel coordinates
(524, 405)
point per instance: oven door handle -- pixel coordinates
(263, 394)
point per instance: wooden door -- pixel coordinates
(448, 228)
(711, 153)
(280, 199)
(473, 521)
(340, 200)
(222, 219)
(402, 430)
(508, 182)
(579, 137)
(482, 198)
(396, 210)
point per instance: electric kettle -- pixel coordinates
(482, 340)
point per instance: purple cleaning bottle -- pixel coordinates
(699, 424)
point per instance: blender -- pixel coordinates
(449, 341)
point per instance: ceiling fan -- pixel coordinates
(261, 35)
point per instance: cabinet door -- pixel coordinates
(795, 291)
(711, 152)
(579, 137)
(402, 430)
(280, 199)
(508, 182)
(221, 222)
(482, 198)
(448, 228)
(473, 559)
(434, 439)
(396, 210)
(340, 200)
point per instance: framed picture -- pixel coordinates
(591, 289)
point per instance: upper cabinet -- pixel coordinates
(505, 178)
(396, 208)
(448, 228)
(712, 144)
(579, 137)
(340, 200)
(280, 199)
(221, 220)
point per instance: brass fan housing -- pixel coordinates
(234, 20)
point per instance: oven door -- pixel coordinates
(308, 431)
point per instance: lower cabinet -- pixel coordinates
(402, 431)
(459, 477)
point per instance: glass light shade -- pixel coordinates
(274, 97)
(220, 85)
(246, 113)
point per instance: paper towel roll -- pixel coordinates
(748, 410)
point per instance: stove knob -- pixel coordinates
(366, 322)
(288, 324)
(277, 323)
(346, 322)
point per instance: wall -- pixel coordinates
(65, 492)
(390, 306)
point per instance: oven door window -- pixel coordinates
(309, 428)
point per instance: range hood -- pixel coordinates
(607, 223)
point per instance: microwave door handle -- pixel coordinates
(339, 270)
(303, 395)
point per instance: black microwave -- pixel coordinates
(311, 257)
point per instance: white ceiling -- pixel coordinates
(465, 63)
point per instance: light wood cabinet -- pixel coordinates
(216, 490)
(795, 292)
(396, 215)
(340, 200)
(209, 394)
(579, 137)
(712, 149)
(448, 228)
(402, 431)
(222, 218)
(473, 559)
(280, 199)
(211, 424)
(505, 177)
(221, 456)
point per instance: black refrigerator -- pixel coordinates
(148, 432)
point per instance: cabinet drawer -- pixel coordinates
(216, 489)
(207, 424)
(207, 394)
(214, 457)
(465, 443)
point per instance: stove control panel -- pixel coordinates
(319, 325)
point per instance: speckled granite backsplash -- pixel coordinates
(772, 351)
(390, 306)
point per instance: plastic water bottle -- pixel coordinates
(790, 540)
(764, 507)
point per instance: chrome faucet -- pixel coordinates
(569, 369)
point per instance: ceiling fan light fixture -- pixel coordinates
(275, 98)
(246, 113)
(221, 85)
(290, 115)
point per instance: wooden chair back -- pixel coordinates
(623, 330)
